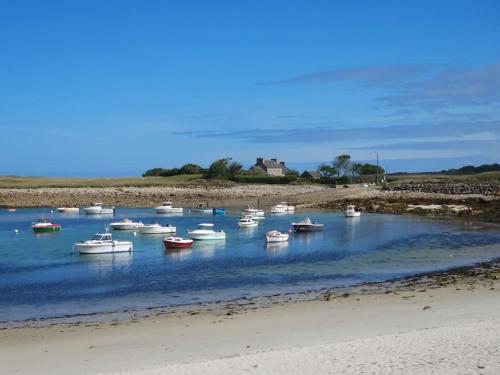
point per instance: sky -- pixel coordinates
(113, 88)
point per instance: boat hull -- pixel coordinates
(116, 247)
(207, 237)
(178, 244)
(353, 214)
(248, 225)
(171, 210)
(275, 239)
(307, 228)
(218, 211)
(68, 210)
(125, 226)
(157, 230)
(47, 229)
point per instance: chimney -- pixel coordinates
(274, 159)
(260, 161)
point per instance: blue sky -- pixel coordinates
(95, 88)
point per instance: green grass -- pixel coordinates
(38, 182)
(485, 177)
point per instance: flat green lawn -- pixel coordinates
(485, 177)
(37, 182)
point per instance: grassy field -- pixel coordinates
(37, 182)
(485, 177)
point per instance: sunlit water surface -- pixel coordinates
(40, 275)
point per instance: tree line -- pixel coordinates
(343, 166)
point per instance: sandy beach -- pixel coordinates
(444, 323)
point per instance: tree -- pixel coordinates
(356, 168)
(234, 168)
(326, 171)
(341, 164)
(371, 169)
(191, 168)
(218, 170)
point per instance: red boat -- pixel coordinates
(177, 243)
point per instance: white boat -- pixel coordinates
(350, 211)
(254, 218)
(307, 226)
(157, 229)
(205, 232)
(126, 224)
(103, 243)
(201, 209)
(68, 210)
(247, 222)
(282, 208)
(255, 212)
(98, 209)
(276, 236)
(166, 208)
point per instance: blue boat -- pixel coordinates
(219, 211)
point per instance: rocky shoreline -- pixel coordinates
(146, 196)
(446, 188)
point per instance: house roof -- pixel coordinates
(313, 173)
(271, 164)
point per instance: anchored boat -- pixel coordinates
(307, 226)
(177, 243)
(126, 224)
(249, 210)
(205, 232)
(157, 229)
(247, 222)
(98, 209)
(68, 210)
(276, 236)
(166, 208)
(201, 209)
(350, 211)
(103, 243)
(45, 226)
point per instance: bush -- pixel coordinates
(191, 168)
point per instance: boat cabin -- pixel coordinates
(102, 237)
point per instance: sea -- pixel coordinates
(41, 276)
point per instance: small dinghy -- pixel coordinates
(177, 243)
(276, 236)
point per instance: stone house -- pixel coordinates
(271, 167)
(311, 175)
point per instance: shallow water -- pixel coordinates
(40, 276)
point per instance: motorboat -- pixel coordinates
(219, 211)
(201, 209)
(11, 209)
(177, 242)
(157, 229)
(247, 222)
(98, 209)
(350, 211)
(68, 210)
(276, 236)
(307, 226)
(45, 226)
(166, 208)
(126, 224)
(282, 208)
(249, 210)
(205, 232)
(254, 218)
(103, 243)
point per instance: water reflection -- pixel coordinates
(207, 248)
(104, 263)
(178, 254)
(276, 247)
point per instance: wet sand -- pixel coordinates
(444, 322)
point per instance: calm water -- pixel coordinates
(40, 276)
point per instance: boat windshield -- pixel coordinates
(102, 237)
